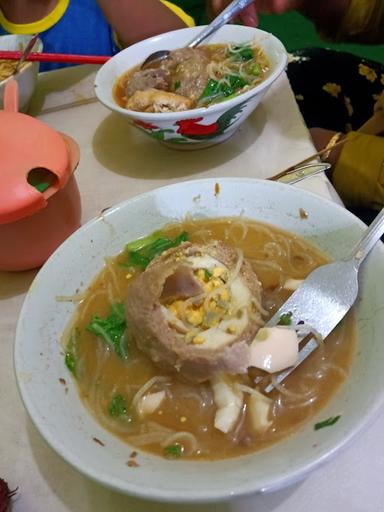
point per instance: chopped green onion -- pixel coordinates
(141, 254)
(70, 351)
(207, 274)
(111, 329)
(173, 451)
(70, 362)
(285, 319)
(255, 69)
(177, 84)
(241, 53)
(117, 406)
(327, 423)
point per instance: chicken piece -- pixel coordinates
(156, 101)
(148, 79)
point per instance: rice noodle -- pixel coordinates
(247, 389)
(203, 396)
(157, 379)
(265, 263)
(290, 395)
(234, 434)
(229, 231)
(84, 312)
(203, 235)
(109, 267)
(150, 438)
(234, 274)
(177, 437)
(76, 297)
(154, 426)
(334, 368)
(305, 330)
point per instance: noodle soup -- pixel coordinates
(192, 78)
(153, 408)
(7, 68)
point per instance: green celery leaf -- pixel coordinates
(146, 253)
(244, 54)
(327, 423)
(136, 245)
(111, 329)
(70, 351)
(173, 450)
(70, 362)
(117, 406)
(255, 69)
(215, 90)
(285, 319)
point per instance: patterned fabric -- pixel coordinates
(335, 90)
(338, 91)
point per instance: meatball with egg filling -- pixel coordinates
(196, 309)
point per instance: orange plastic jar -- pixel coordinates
(39, 198)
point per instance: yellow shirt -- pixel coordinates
(58, 12)
(188, 20)
(358, 176)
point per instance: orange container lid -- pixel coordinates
(27, 144)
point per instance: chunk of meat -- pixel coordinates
(165, 343)
(182, 284)
(189, 71)
(148, 79)
(156, 101)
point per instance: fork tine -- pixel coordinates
(303, 354)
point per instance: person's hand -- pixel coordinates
(321, 137)
(249, 15)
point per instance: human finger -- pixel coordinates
(249, 16)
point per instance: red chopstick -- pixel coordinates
(57, 57)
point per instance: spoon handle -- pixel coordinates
(224, 17)
(372, 235)
(26, 52)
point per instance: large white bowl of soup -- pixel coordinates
(26, 77)
(148, 388)
(197, 97)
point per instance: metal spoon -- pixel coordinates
(224, 17)
(24, 55)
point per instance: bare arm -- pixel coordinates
(327, 14)
(134, 20)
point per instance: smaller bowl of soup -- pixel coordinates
(196, 97)
(26, 76)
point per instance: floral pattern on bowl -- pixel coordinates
(190, 131)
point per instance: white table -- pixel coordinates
(118, 162)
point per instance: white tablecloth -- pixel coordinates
(118, 162)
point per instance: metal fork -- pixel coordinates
(326, 295)
(303, 172)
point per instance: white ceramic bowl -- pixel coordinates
(27, 76)
(183, 129)
(68, 427)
